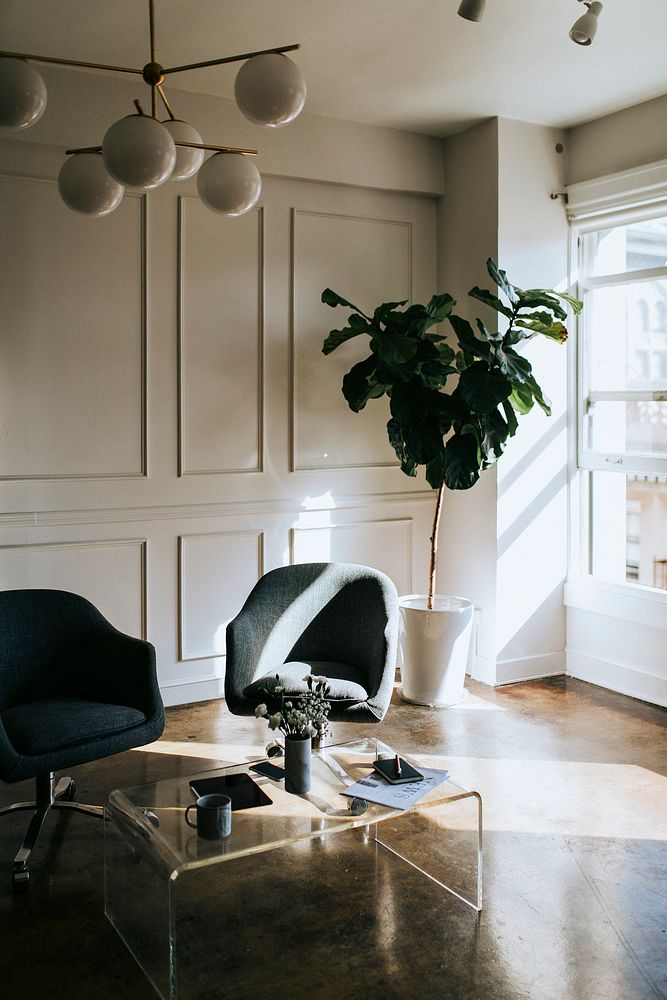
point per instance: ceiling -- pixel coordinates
(407, 64)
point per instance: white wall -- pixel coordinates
(170, 427)
(511, 556)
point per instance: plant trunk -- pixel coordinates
(434, 546)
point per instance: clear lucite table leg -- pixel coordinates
(476, 901)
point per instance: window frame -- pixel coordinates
(584, 461)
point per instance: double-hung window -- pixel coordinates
(622, 397)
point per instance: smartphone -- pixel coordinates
(269, 770)
(387, 768)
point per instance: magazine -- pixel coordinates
(374, 788)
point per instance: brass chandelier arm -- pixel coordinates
(217, 149)
(178, 142)
(230, 59)
(70, 62)
(166, 103)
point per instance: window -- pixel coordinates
(622, 423)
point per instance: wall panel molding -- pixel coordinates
(54, 312)
(185, 511)
(385, 543)
(213, 583)
(70, 574)
(299, 462)
(185, 468)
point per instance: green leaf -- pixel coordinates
(555, 331)
(445, 353)
(468, 342)
(490, 300)
(393, 348)
(522, 399)
(532, 297)
(333, 299)
(385, 309)
(510, 417)
(434, 373)
(461, 465)
(395, 435)
(409, 404)
(500, 279)
(435, 471)
(439, 308)
(424, 442)
(494, 338)
(516, 367)
(496, 432)
(338, 337)
(575, 304)
(537, 394)
(360, 384)
(483, 388)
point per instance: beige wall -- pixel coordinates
(616, 142)
(170, 427)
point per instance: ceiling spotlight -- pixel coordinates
(583, 30)
(472, 10)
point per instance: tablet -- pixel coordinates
(242, 790)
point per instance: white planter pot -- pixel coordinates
(433, 649)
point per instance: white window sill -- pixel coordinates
(622, 601)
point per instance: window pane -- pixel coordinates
(626, 248)
(637, 427)
(629, 528)
(626, 336)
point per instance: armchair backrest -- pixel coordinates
(339, 612)
(42, 636)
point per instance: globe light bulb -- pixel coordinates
(22, 94)
(86, 186)
(270, 89)
(229, 183)
(139, 152)
(188, 160)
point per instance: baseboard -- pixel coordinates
(530, 668)
(621, 677)
(196, 689)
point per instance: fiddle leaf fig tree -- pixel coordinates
(454, 430)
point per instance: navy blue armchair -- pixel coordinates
(73, 689)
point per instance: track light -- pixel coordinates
(583, 30)
(472, 10)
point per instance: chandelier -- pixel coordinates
(140, 151)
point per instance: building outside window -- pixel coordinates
(622, 421)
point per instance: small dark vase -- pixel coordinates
(298, 752)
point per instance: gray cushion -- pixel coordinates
(50, 724)
(346, 683)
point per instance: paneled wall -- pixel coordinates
(169, 428)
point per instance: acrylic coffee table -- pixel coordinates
(154, 862)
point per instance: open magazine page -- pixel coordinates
(374, 788)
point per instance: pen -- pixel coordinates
(398, 766)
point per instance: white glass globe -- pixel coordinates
(270, 89)
(139, 152)
(229, 183)
(86, 186)
(22, 94)
(188, 160)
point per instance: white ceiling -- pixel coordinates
(408, 64)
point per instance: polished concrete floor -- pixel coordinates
(574, 781)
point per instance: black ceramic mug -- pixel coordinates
(214, 816)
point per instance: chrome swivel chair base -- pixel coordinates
(48, 796)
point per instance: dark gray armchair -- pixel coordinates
(335, 620)
(72, 689)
